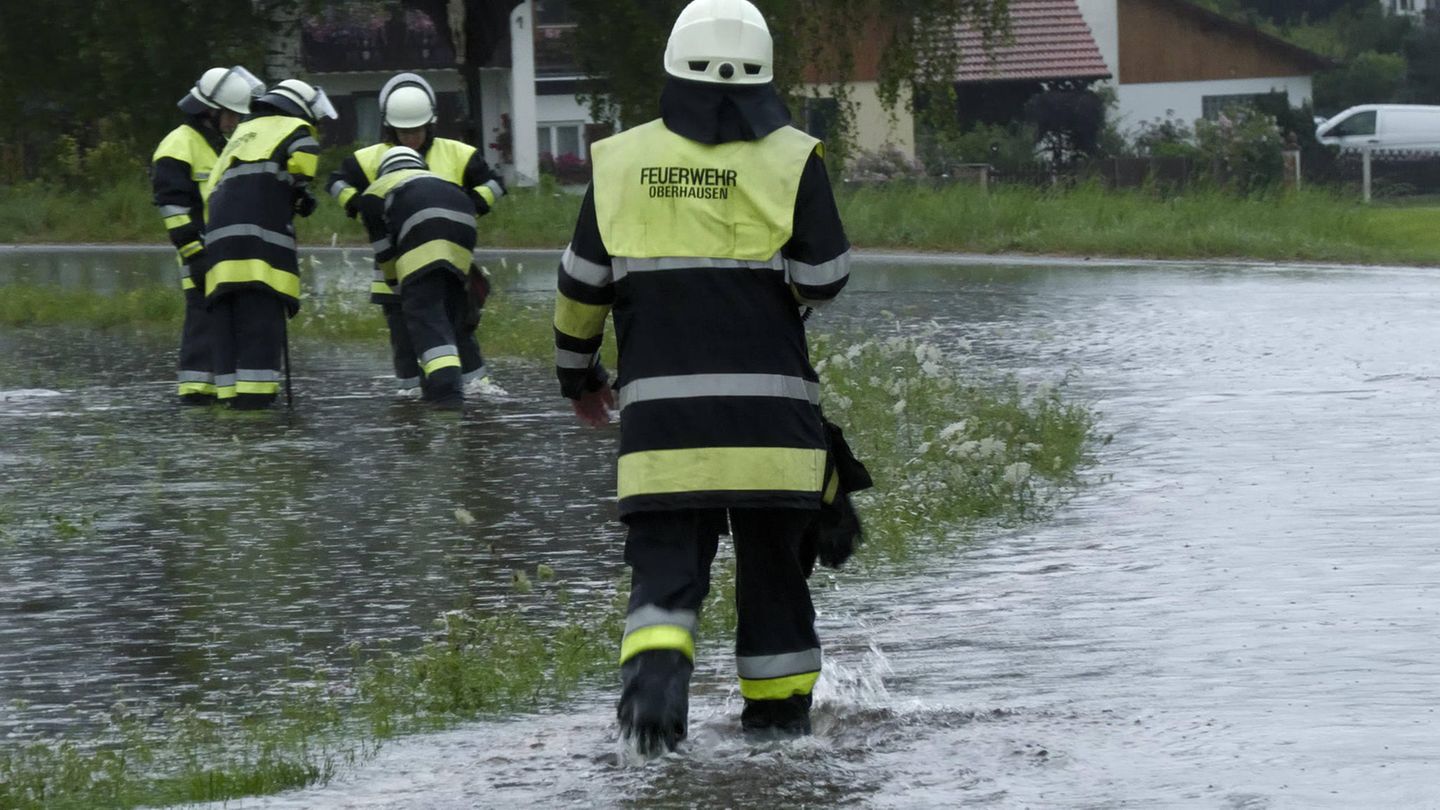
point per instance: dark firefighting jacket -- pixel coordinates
(705, 253)
(249, 207)
(178, 169)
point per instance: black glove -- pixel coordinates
(303, 201)
(196, 266)
(836, 531)
(352, 206)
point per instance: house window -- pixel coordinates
(553, 12)
(1212, 106)
(559, 140)
(367, 117)
(821, 115)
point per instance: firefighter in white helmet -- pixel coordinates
(251, 273)
(706, 231)
(425, 225)
(408, 115)
(182, 161)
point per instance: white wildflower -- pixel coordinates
(852, 352)
(952, 429)
(898, 408)
(923, 448)
(990, 446)
(838, 360)
(930, 368)
(1017, 473)
(841, 403)
(965, 449)
(875, 382)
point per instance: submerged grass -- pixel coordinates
(949, 451)
(1307, 225)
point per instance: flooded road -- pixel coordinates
(1242, 611)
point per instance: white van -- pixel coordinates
(1400, 127)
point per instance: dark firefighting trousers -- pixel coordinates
(777, 652)
(248, 328)
(196, 380)
(433, 305)
(406, 359)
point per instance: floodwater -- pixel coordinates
(1241, 611)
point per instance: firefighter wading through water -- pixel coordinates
(426, 225)
(179, 168)
(705, 232)
(251, 273)
(407, 112)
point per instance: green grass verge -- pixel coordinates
(951, 454)
(1280, 226)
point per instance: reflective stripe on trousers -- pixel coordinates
(652, 628)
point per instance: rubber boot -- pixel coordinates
(655, 701)
(250, 402)
(776, 719)
(442, 389)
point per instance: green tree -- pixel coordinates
(87, 68)
(1422, 54)
(1370, 78)
(817, 42)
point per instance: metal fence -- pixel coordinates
(1389, 175)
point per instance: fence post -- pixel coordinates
(1365, 172)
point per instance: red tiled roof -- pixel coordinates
(1048, 40)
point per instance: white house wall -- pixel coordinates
(1140, 103)
(875, 128)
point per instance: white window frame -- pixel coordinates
(549, 139)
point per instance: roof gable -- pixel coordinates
(1177, 41)
(1048, 40)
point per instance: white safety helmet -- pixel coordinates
(721, 42)
(230, 88)
(300, 99)
(407, 101)
(399, 157)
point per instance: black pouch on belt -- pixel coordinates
(837, 532)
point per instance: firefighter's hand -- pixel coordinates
(304, 201)
(593, 407)
(195, 265)
(352, 206)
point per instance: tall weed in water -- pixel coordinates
(946, 448)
